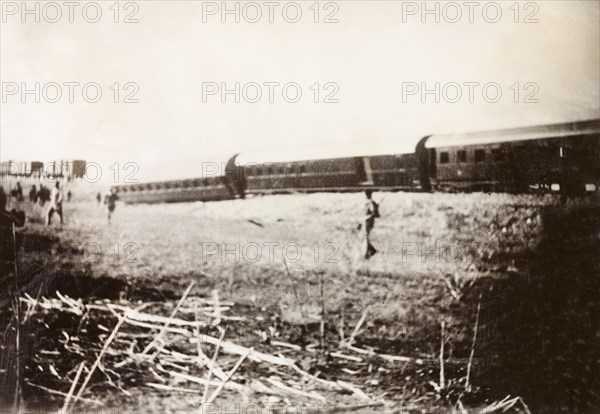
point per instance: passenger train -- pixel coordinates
(560, 157)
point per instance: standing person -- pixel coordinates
(33, 194)
(99, 198)
(371, 214)
(2, 199)
(56, 200)
(69, 195)
(110, 201)
(19, 192)
(43, 195)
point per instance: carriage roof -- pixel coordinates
(182, 169)
(563, 130)
(325, 152)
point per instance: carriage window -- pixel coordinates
(461, 156)
(479, 155)
(444, 158)
(497, 154)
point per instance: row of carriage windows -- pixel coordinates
(290, 169)
(497, 154)
(168, 185)
(479, 156)
(298, 169)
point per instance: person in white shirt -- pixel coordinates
(56, 200)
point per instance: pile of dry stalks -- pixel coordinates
(123, 346)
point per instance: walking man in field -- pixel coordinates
(111, 202)
(371, 214)
(56, 200)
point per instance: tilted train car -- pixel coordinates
(284, 174)
(559, 156)
(192, 180)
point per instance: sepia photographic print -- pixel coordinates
(299, 207)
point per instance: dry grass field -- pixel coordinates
(522, 271)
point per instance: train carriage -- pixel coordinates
(281, 173)
(560, 156)
(183, 181)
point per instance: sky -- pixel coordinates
(370, 61)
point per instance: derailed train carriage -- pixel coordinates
(543, 158)
(191, 180)
(275, 174)
(563, 157)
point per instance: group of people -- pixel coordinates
(54, 197)
(42, 194)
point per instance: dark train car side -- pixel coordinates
(561, 157)
(384, 172)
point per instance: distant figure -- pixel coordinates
(99, 198)
(56, 201)
(17, 192)
(371, 214)
(43, 195)
(110, 202)
(2, 199)
(33, 194)
(69, 195)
